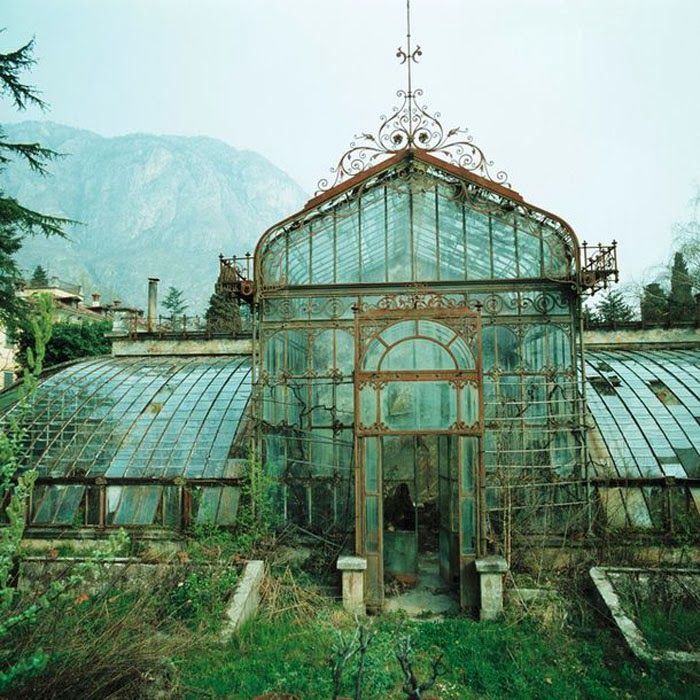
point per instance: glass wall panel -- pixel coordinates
(418, 405)
(399, 238)
(425, 234)
(470, 403)
(373, 224)
(372, 524)
(415, 354)
(452, 239)
(478, 245)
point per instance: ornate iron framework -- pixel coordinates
(464, 476)
(411, 126)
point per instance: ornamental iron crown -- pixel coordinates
(410, 126)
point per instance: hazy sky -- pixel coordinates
(591, 106)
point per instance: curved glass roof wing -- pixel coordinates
(646, 404)
(138, 417)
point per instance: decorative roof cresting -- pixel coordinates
(411, 126)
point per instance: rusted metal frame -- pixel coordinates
(444, 286)
(137, 481)
(437, 234)
(663, 481)
(314, 208)
(386, 232)
(435, 313)
(100, 368)
(453, 376)
(418, 336)
(216, 374)
(191, 368)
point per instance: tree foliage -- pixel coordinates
(69, 341)
(613, 309)
(17, 221)
(223, 314)
(174, 301)
(681, 305)
(40, 277)
(654, 304)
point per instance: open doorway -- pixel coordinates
(419, 542)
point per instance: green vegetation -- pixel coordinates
(16, 221)
(681, 305)
(175, 302)
(39, 278)
(654, 304)
(677, 628)
(613, 309)
(69, 341)
(223, 314)
(516, 658)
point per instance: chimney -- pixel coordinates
(116, 303)
(152, 303)
(96, 299)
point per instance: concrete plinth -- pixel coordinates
(353, 569)
(491, 570)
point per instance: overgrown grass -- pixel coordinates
(492, 660)
(112, 636)
(677, 628)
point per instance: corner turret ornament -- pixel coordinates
(410, 126)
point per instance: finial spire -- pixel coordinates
(408, 56)
(410, 126)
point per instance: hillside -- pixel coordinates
(162, 206)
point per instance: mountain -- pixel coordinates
(149, 206)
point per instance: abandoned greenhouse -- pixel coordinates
(415, 375)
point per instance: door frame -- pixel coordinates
(370, 321)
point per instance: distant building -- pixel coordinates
(69, 307)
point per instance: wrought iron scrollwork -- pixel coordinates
(411, 126)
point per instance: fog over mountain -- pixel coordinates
(162, 206)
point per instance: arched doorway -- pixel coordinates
(418, 427)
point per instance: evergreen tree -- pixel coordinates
(590, 316)
(16, 221)
(613, 309)
(223, 314)
(39, 277)
(174, 301)
(681, 305)
(654, 304)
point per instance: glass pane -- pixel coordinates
(467, 525)
(368, 405)
(452, 239)
(529, 254)
(470, 404)
(399, 255)
(373, 237)
(228, 505)
(415, 354)
(418, 405)
(478, 246)
(371, 465)
(470, 457)
(503, 241)
(372, 524)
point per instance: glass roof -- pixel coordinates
(646, 405)
(139, 417)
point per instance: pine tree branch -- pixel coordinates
(34, 154)
(11, 65)
(13, 216)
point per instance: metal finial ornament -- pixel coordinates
(410, 126)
